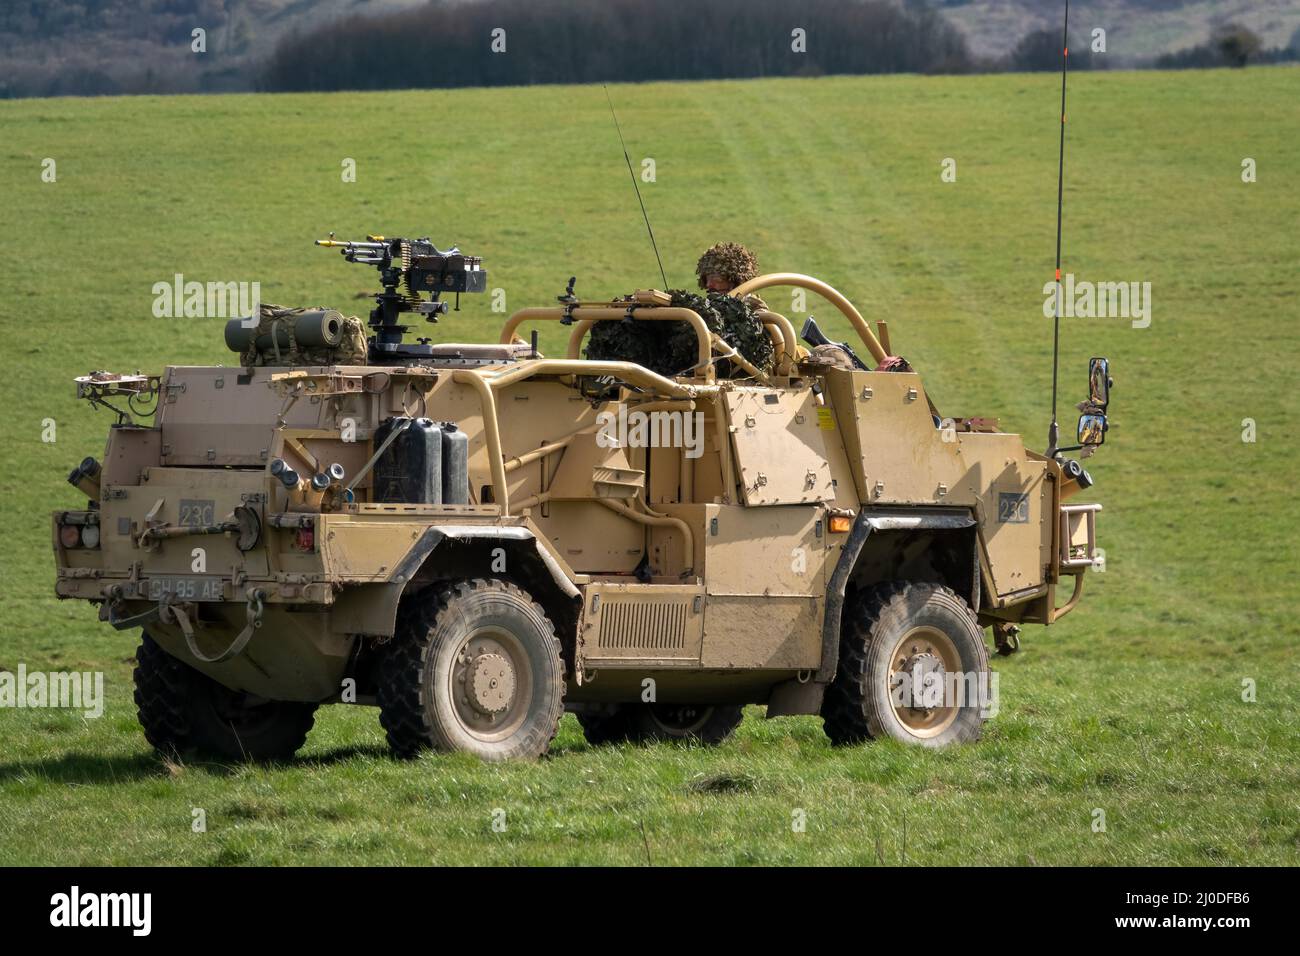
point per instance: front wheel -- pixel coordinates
(912, 666)
(475, 667)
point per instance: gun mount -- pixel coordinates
(409, 270)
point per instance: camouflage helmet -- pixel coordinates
(730, 260)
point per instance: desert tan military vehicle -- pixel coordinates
(477, 537)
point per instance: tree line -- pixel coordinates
(71, 47)
(518, 42)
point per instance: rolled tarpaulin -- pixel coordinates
(315, 328)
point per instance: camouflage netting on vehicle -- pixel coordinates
(669, 348)
(277, 320)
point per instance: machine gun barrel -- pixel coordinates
(340, 244)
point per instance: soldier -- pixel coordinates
(725, 266)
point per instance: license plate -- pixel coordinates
(186, 587)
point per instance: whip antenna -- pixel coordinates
(628, 158)
(1053, 433)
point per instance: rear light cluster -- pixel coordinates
(78, 530)
(304, 538)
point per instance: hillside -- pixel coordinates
(1135, 29)
(55, 47)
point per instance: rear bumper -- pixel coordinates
(92, 584)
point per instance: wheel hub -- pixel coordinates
(925, 677)
(490, 684)
(491, 680)
(918, 681)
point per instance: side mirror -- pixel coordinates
(1092, 430)
(1098, 383)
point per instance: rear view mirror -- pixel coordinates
(1092, 430)
(1098, 383)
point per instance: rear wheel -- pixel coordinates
(475, 667)
(708, 724)
(912, 666)
(185, 712)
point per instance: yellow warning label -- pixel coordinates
(825, 419)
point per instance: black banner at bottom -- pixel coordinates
(335, 906)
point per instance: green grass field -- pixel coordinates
(1131, 705)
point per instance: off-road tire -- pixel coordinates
(857, 705)
(604, 727)
(423, 662)
(709, 724)
(185, 712)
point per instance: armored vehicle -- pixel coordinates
(476, 538)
